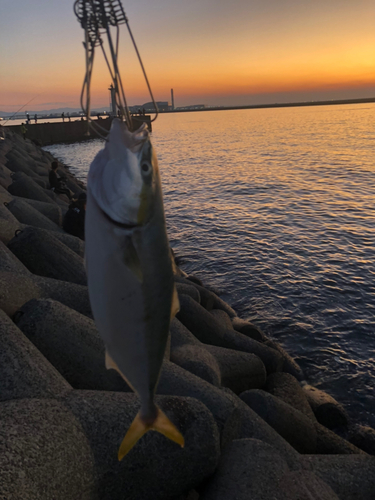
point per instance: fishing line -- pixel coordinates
(97, 17)
(21, 109)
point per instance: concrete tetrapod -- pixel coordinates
(156, 468)
(71, 343)
(8, 226)
(352, 477)
(181, 336)
(5, 214)
(45, 255)
(250, 469)
(233, 417)
(237, 370)
(329, 443)
(363, 437)
(248, 329)
(222, 317)
(44, 453)
(16, 176)
(287, 388)
(52, 211)
(209, 300)
(4, 195)
(327, 410)
(290, 423)
(74, 243)
(198, 361)
(17, 162)
(188, 290)
(289, 365)
(26, 187)
(27, 214)
(24, 371)
(205, 327)
(18, 288)
(305, 485)
(9, 262)
(5, 175)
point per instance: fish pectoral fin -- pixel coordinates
(138, 428)
(175, 303)
(131, 259)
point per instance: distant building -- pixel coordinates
(192, 107)
(150, 108)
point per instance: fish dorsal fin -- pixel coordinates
(175, 303)
(131, 259)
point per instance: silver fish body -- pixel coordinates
(128, 263)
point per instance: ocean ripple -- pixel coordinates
(276, 208)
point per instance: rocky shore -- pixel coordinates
(254, 429)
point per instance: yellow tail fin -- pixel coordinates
(138, 428)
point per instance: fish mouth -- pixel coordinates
(120, 225)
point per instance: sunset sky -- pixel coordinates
(214, 52)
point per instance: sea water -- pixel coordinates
(276, 209)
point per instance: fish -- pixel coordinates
(129, 270)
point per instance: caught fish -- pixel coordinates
(129, 270)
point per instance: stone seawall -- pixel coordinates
(253, 428)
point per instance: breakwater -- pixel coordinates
(66, 131)
(253, 427)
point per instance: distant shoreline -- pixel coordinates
(277, 105)
(75, 117)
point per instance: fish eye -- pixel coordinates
(146, 167)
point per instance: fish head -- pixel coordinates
(124, 178)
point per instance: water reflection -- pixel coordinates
(276, 208)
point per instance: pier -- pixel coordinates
(45, 134)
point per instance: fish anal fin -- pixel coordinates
(109, 363)
(175, 303)
(131, 259)
(139, 428)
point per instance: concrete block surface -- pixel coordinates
(70, 342)
(24, 371)
(156, 468)
(198, 361)
(45, 255)
(209, 331)
(290, 423)
(248, 469)
(239, 371)
(44, 453)
(327, 410)
(26, 213)
(351, 477)
(287, 388)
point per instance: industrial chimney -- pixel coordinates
(172, 99)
